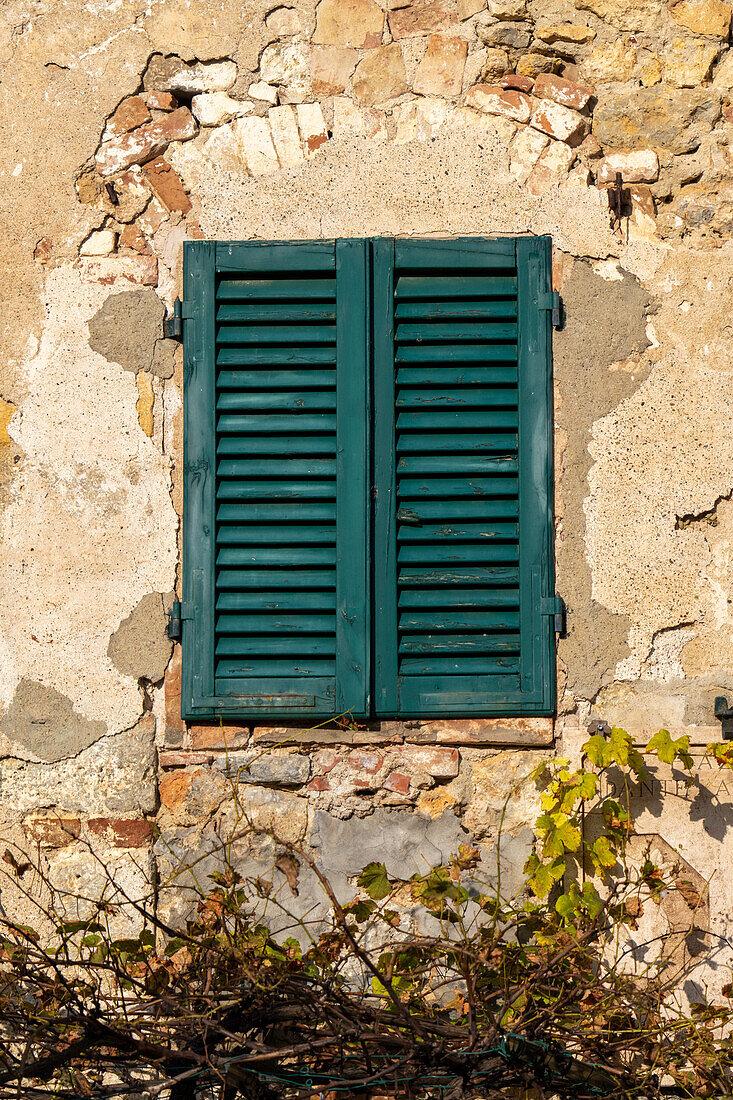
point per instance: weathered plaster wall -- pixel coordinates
(131, 127)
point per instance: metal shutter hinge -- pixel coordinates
(555, 606)
(178, 613)
(553, 303)
(173, 325)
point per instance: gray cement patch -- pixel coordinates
(605, 324)
(126, 328)
(43, 720)
(140, 646)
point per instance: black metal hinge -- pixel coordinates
(553, 303)
(178, 613)
(555, 606)
(724, 714)
(173, 325)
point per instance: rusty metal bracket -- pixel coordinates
(173, 326)
(619, 201)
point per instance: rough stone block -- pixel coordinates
(565, 32)
(224, 149)
(325, 760)
(508, 9)
(100, 243)
(167, 185)
(566, 92)
(517, 82)
(181, 758)
(658, 118)
(216, 108)
(365, 761)
(285, 136)
(483, 731)
(441, 70)
(255, 140)
(141, 270)
(83, 878)
(279, 770)
(132, 238)
(312, 126)
(467, 8)
(286, 64)
(513, 36)
(219, 737)
(133, 193)
(202, 76)
(349, 23)
(283, 22)
(525, 151)
(635, 166)
(130, 114)
(146, 142)
(421, 17)
(193, 795)
(495, 100)
(688, 64)
(494, 67)
(331, 67)
(559, 122)
(610, 63)
(262, 91)
(380, 76)
(709, 17)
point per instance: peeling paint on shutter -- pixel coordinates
(275, 540)
(463, 476)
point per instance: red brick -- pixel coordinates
(325, 760)
(395, 781)
(560, 122)
(365, 761)
(106, 270)
(145, 143)
(495, 100)
(161, 101)
(566, 92)
(130, 114)
(42, 251)
(183, 759)
(519, 83)
(131, 237)
(320, 783)
(167, 185)
(219, 737)
(52, 832)
(122, 832)
(438, 762)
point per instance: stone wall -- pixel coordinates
(136, 126)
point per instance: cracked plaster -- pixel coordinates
(90, 528)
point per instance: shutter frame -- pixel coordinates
(535, 694)
(204, 263)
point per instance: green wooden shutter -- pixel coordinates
(463, 532)
(275, 621)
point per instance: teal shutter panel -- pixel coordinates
(276, 506)
(463, 531)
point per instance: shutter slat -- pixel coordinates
(291, 289)
(467, 574)
(454, 487)
(468, 398)
(286, 489)
(459, 532)
(460, 643)
(418, 443)
(461, 286)
(243, 335)
(453, 333)
(454, 353)
(280, 445)
(458, 553)
(276, 311)
(458, 597)
(277, 555)
(266, 423)
(323, 401)
(484, 310)
(267, 667)
(274, 356)
(274, 601)
(276, 380)
(487, 666)
(464, 620)
(257, 645)
(276, 623)
(239, 579)
(287, 467)
(472, 375)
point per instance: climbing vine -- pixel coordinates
(440, 984)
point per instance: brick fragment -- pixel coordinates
(141, 270)
(421, 17)
(167, 185)
(559, 122)
(161, 101)
(517, 82)
(331, 67)
(495, 100)
(219, 737)
(42, 251)
(52, 832)
(325, 760)
(133, 193)
(560, 90)
(365, 761)
(635, 166)
(440, 763)
(397, 782)
(175, 727)
(181, 759)
(130, 114)
(146, 142)
(131, 237)
(320, 783)
(121, 832)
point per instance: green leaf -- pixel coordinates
(602, 853)
(545, 876)
(598, 751)
(661, 744)
(374, 880)
(566, 907)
